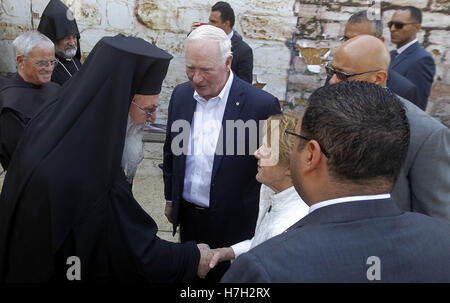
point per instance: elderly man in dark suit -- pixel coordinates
(351, 142)
(410, 59)
(222, 16)
(424, 183)
(209, 172)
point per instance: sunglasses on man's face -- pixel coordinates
(398, 25)
(344, 76)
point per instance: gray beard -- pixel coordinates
(67, 53)
(133, 152)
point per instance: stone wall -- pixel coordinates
(290, 38)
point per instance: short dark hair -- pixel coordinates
(376, 25)
(226, 12)
(416, 14)
(362, 126)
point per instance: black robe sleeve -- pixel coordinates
(12, 125)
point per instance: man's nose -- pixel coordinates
(197, 77)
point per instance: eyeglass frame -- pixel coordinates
(146, 111)
(40, 63)
(343, 76)
(290, 132)
(395, 23)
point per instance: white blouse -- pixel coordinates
(277, 212)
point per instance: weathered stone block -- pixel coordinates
(439, 20)
(12, 31)
(270, 28)
(119, 15)
(417, 3)
(441, 5)
(86, 12)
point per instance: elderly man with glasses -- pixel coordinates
(142, 110)
(423, 184)
(23, 93)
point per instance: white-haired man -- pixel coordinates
(23, 93)
(213, 195)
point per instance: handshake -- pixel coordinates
(210, 257)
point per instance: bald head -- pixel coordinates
(361, 54)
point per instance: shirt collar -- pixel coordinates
(348, 199)
(404, 47)
(230, 35)
(220, 96)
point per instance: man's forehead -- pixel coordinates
(401, 15)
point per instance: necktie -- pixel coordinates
(394, 54)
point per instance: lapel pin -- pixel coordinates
(237, 103)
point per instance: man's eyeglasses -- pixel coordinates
(45, 63)
(398, 25)
(344, 76)
(290, 132)
(148, 112)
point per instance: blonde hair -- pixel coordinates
(286, 121)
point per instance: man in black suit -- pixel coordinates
(410, 59)
(209, 168)
(222, 16)
(359, 24)
(351, 143)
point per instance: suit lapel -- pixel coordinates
(187, 113)
(235, 103)
(404, 55)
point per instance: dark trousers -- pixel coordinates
(196, 225)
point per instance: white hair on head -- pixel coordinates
(24, 44)
(208, 33)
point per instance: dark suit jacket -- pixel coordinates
(398, 84)
(333, 244)
(402, 86)
(234, 193)
(242, 63)
(416, 64)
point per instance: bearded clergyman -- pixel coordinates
(58, 24)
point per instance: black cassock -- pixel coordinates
(19, 102)
(65, 194)
(56, 23)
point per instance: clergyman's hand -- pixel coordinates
(205, 257)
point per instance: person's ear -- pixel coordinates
(228, 61)
(380, 77)
(417, 27)
(227, 24)
(20, 59)
(314, 156)
(381, 38)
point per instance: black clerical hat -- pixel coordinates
(57, 21)
(152, 79)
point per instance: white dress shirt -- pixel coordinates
(277, 212)
(404, 47)
(348, 199)
(205, 130)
